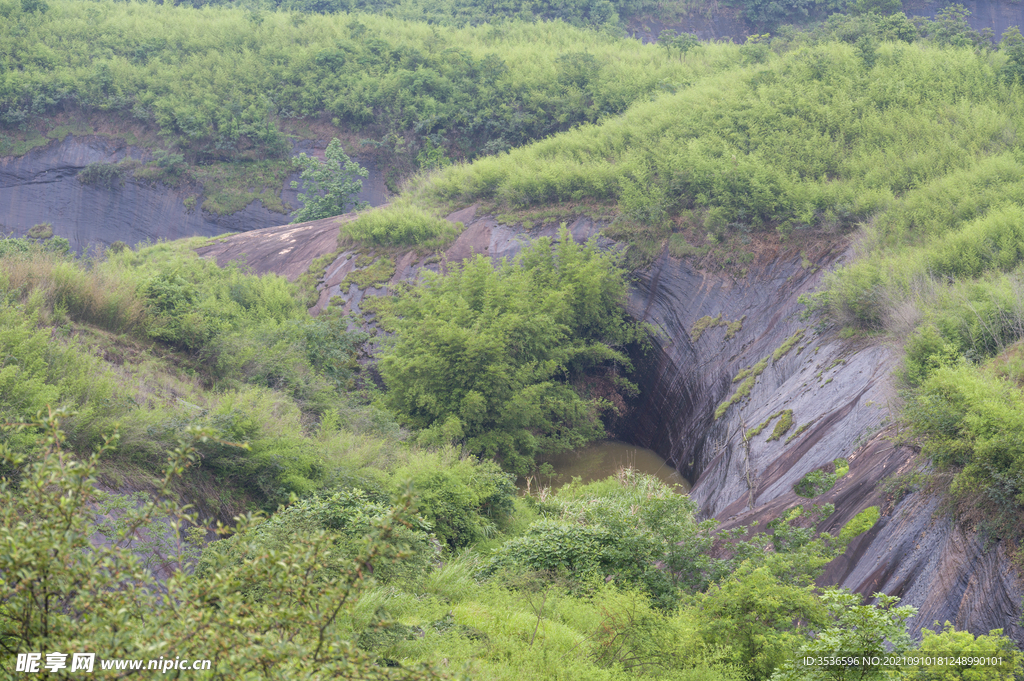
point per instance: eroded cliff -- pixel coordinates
(720, 336)
(43, 186)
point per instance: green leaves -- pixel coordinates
(273, 602)
(634, 530)
(855, 630)
(485, 355)
(330, 187)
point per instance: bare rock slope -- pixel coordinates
(43, 186)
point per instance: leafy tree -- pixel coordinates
(681, 43)
(331, 187)
(61, 592)
(897, 26)
(463, 501)
(951, 28)
(1012, 45)
(432, 157)
(332, 348)
(577, 69)
(858, 631)
(486, 356)
(762, 613)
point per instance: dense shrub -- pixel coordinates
(484, 355)
(102, 174)
(469, 90)
(635, 531)
(400, 225)
(347, 517)
(463, 501)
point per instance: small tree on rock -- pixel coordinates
(331, 187)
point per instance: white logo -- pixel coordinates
(82, 662)
(28, 662)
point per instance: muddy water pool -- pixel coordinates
(602, 459)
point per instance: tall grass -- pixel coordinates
(158, 340)
(56, 285)
(810, 136)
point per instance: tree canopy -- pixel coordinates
(496, 357)
(331, 186)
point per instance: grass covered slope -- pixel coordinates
(825, 129)
(221, 82)
(157, 341)
(814, 135)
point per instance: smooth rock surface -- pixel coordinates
(42, 186)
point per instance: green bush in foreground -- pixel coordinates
(350, 584)
(60, 592)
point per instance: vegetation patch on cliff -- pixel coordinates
(749, 377)
(708, 322)
(819, 481)
(860, 523)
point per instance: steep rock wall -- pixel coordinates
(842, 390)
(42, 186)
(824, 381)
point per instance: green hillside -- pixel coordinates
(372, 529)
(910, 148)
(232, 88)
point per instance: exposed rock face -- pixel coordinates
(287, 250)
(915, 551)
(727, 23)
(837, 390)
(42, 186)
(685, 381)
(841, 390)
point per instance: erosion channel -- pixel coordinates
(744, 399)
